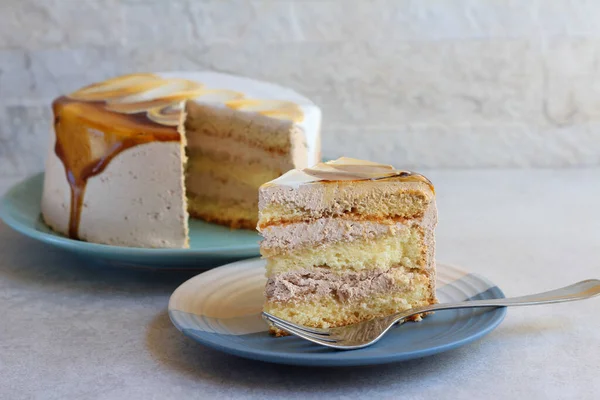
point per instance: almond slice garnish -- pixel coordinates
(118, 87)
(218, 96)
(133, 108)
(352, 161)
(136, 93)
(171, 89)
(292, 114)
(170, 115)
(348, 169)
(273, 108)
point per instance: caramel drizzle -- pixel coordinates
(87, 146)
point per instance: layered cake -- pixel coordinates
(131, 157)
(346, 241)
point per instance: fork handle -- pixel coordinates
(577, 291)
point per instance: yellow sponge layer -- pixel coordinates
(327, 311)
(400, 205)
(407, 249)
(223, 213)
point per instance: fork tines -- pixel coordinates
(316, 335)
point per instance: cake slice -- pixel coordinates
(346, 241)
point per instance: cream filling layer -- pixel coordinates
(205, 184)
(231, 150)
(352, 286)
(407, 248)
(289, 237)
(251, 175)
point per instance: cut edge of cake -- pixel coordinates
(229, 164)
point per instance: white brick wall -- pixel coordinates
(420, 83)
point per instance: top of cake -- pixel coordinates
(160, 96)
(130, 110)
(346, 169)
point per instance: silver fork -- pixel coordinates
(366, 333)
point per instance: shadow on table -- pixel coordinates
(179, 353)
(29, 263)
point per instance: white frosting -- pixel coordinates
(310, 124)
(323, 231)
(137, 201)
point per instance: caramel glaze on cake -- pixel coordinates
(96, 123)
(84, 157)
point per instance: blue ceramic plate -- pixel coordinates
(221, 309)
(209, 243)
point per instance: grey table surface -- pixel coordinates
(70, 329)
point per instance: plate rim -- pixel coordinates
(311, 360)
(7, 216)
